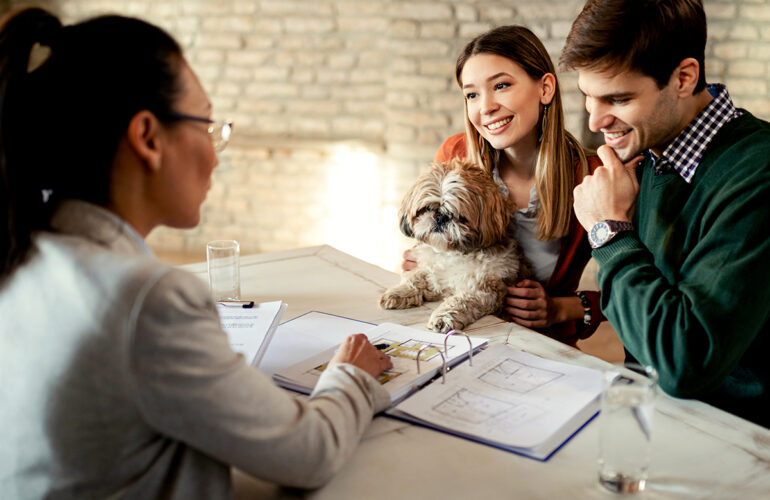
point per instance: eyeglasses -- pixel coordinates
(219, 130)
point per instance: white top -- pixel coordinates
(542, 255)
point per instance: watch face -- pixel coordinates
(600, 233)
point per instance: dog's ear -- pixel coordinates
(405, 213)
(405, 227)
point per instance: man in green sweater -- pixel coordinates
(679, 214)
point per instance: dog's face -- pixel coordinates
(456, 206)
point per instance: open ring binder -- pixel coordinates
(443, 361)
(470, 350)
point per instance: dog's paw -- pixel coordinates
(442, 323)
(394, 300)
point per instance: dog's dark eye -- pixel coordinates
(462, 219)
(422, 211)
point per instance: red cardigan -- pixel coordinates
(573, 257)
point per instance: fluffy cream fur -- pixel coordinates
(464, 255)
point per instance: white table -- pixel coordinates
(698, 450)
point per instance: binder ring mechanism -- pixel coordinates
(444, 355)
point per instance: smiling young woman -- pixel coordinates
(515, 130)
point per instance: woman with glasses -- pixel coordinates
(117, 379)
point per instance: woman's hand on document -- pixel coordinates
(357, 350)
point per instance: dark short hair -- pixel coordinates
(61, 122)
(647, 36)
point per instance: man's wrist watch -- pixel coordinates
(604, 231)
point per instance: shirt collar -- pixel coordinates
(685, 152)
(99, 225)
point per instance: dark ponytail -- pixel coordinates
(61, 122)
(21, 205)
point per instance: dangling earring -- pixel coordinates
(545, 122)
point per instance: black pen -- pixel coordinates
(245, 304)
(380, 347)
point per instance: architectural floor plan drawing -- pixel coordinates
(512, 375)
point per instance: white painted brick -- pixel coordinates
(363, 24)
(471, 30)
(755, 12)
(418, 82)
(746, 68)
(292, 7)
(421, 48)
(248, 58)
(715, 70)
(371, 108)
(310, 126)
(747, 86)
(261, 90)
(294, 59)
(497, 14)
(401, 28)
(405, 65)
(417, 118)
(236, 73)
(228, 89)
(244, 7)
(239, 24)
(219, 41)
(396, 100)
(560, 29)
(302, 75)
(438, 30)
(759, 51)
(208, 56)
(344, 60)
(313, 107)
(439, 67)
(744, 31)
(452, 102)
(222, 105)
(466, 13)
(730, 50)
(366, 75)
(205, 8)
(358, 8)
(267, 26)
(719, 10)
(308, 25)
(421, 11)
(315, 91)
(258, 42)
(372, 58)
(332, 76)
(718, 31)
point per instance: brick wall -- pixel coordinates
(338, 104)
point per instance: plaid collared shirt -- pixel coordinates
(685, 152)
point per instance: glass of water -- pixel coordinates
(222, 257)
(625, 427)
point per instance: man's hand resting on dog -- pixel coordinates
(527, 304)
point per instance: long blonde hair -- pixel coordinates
(559, 150)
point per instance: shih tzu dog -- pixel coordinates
(464, 254)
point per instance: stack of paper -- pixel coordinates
(250, 329)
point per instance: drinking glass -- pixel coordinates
(625, 427)
(222, 257)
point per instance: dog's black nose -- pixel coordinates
(440, 220)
